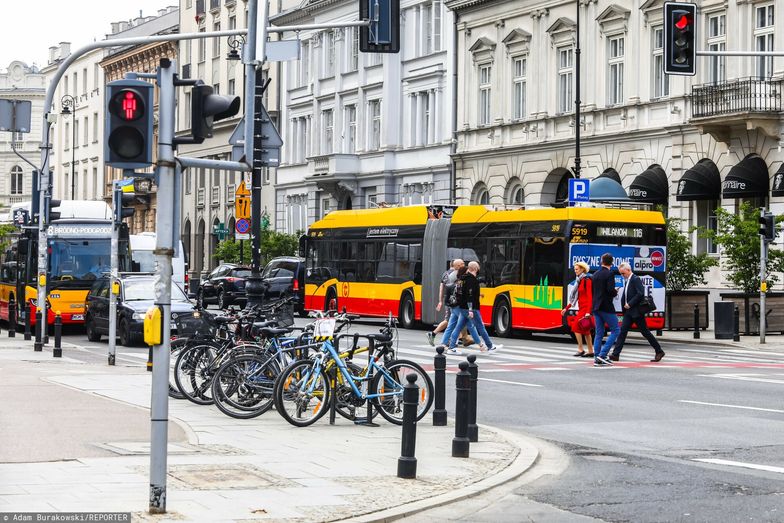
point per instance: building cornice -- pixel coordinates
(459, 5)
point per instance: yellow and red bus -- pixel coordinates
(390, 260)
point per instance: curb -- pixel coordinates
(526, 459)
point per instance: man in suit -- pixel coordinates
(603, 311)
(633, 292)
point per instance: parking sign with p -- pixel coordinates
(579, 190)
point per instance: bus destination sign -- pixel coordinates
(619, 232)
(79, 230)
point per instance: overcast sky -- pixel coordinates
(29, 27)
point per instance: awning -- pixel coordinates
(650, 186)
(604, 189)
(701, 182)
(778, 182)
(611, 174)
(747, 179)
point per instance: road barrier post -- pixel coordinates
(27, 331)
(12, 318)
(57, 352)
(696, 321)
(736, 321)
(37, 345)
(407, 462)
(461, 443)
(439, 367)
(473, 370)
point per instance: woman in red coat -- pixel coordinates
(581, 295)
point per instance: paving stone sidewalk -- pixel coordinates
(223, 469)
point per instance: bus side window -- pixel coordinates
(544, 261)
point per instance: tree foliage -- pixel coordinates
(684, 269)
(738, 235)
(273, 244)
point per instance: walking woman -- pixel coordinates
(581, 295)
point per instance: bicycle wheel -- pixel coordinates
(243, 386)
(301, 395)
(347, 404)
(193, 374)
(177, 346)
(390, 382)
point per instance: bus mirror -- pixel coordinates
(303, 246)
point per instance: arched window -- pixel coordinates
(515, 195)
(480, 195)
(17, 180)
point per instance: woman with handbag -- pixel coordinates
(581, 295)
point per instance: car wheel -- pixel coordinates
(502, 318)
(223, 303)
(89, 327)
(406, 313)
(125, 334)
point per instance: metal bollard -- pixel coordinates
(736, 318)
(696, 321)
(27, 332)
(37, 345)
(439, 366)
(473, 370)
(11, 318)
(57, 352)
(149, 360)
(461, 443)
(407, 462)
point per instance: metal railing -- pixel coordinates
(743, 95)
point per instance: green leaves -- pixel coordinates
(273, 244)
(684, 269)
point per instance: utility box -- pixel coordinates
(724, 320)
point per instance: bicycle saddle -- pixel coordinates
(380, 337)
(223, 320)
(273, 331)
(262, 324)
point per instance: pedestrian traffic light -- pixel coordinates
(122, 203)
(208, 108)
(680, 35)
(52, 209)
(383, 33)
(767, 226)
(129, 118)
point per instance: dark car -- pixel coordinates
(284, 276)
(224, 286)
(137, 294)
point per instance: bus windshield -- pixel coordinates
(78, 259)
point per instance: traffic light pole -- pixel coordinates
(763, 285)
(116, 213)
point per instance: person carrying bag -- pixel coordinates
(581, 296)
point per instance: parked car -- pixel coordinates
(137, 294)
(285, 276)
(224, 286)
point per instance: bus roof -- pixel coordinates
(418, 215)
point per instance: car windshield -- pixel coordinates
(81, 259)
(142, 289)
(241, 273)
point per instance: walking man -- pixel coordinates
(604, 293)
(633, 292)
(469, 314)
(448, 280)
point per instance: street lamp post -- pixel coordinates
(68, 103)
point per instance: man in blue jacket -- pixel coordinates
(633, 292)
(604, 311)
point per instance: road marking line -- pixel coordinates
(741, 378)
(730, 406)
(550, 368)
(766, 468)
(511, 382)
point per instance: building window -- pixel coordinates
(17, 180)
(426, 117)
(325, 206)
(96, 188)
(706, 218)
(353, 56)
(372, 200)
(518, 88)
(351, 129)
(96, 76)
(374, 111)
(84, 80)
(565, 82)
(517, 195)
(95, 127)
(329, 54)
(187, 106)
(763, 38)
(86, 131)
(216, 42)
(188, 184)
(232, 23)
(327, 126)
(480, 195)
(661, 81)
(717, 42)
(304, 69)
(428, 26)
(615, 69)
(484, 94)
(202, 48)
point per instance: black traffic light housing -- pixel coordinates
(122, 202)
(680, 37)
(208, 108)
(51, 213)
(383, 33)
(129, 120)
(767, 226)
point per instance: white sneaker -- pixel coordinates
(494, 348)
(453, 351)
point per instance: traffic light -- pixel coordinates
(383, 33)
(51, 213)
(129, 118)
(680, 35)
(207, 108)
(121, 204)
(767, 226)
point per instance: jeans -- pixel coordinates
(610, 319)
(479, 325)
(450, 326)
(462, 321)
(642, 326)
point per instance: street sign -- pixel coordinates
(579, 190)
(242, 226)
(242, 202)
(220, 230)
(21, 217)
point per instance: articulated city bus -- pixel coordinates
(79, 252)
(379, 261)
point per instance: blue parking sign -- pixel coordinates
(579, 190)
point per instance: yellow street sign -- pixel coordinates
(241, 207)
(242, 190)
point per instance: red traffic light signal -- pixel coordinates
(129, 138)
(680, 36)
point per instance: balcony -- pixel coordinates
(748, 103)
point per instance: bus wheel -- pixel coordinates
(406, 313)
(331, 300)
(502, 318)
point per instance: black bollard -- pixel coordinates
(407, 462)
(57, 352)
(696, 321)
(27, 332)
(11, 318)
(439, 366)
(149, 360)
(473, 370)
(461, 443)
(37, 345)
(736, 314)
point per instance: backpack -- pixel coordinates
(457, 293)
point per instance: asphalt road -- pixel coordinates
(697, 437)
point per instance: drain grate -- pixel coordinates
(226, 476)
